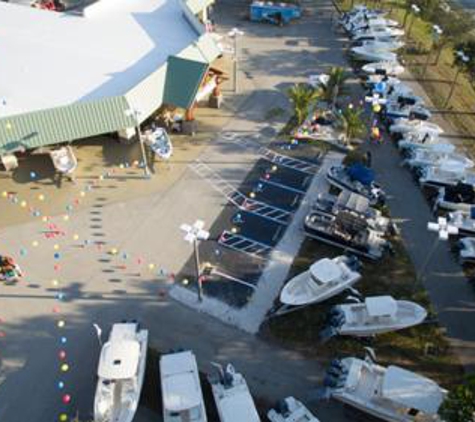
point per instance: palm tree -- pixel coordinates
(302, 97)
(335, 85)
(352, 122)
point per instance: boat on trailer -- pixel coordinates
(376, 315)
(460, 197)
(324, 279)
(159, 142)
(390, 68)
(465, 222)
(356, 203)
(444, 176)
(358, 179)
(232, 396)
(121, 373)
(182, 397)
(348, 232)
(390, 393)
(290, 410)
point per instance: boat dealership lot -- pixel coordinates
(119, 257)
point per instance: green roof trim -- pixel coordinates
(64, 124)
(183, 81)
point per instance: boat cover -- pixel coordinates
(361, 173)
(379, 306)
(412, 390)
(460, 193)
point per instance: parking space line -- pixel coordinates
(277, 158)
(244, 244)
(232, 278)
(282, 186)
(237, 198)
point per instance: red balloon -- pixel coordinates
(66, 398)
(62, 354)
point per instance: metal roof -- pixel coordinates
(176, 85)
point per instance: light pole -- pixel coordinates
(436, 33)
(415, 9)
(135, 113)
(465, 59)
(444, 230)
(234, 34)
(193, 234)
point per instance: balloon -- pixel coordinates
(62, 354)
(32, 174)
(23, 204)
(54, 282)
(185, 281)
(63, 417)
(61, 323)
(4, 194)
(65, 217)
(35, 243)
(64, 340)
(60, 385)
(75, 236)
(66, 398)
(376, 108)
(82, 193)
(56, 255)
(23, 252)
(64, 367)
(41, 197)
(151, 267)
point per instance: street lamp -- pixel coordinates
(436, 33)
(234, 34)
(415, 10)
(193, 234)
(444, 230)
(135, 113)
(465, 59)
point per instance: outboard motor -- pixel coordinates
(282, 408)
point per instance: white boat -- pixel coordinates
(404, 126)
(357, 179)
(378, 32)
(159, 142)
(460, 197)
(121, 373)
(290, 410)
(435, 157)
(444, 175)
(325, 278)
(391, 68)
(389, 45)
(395, 111)
(467, 249)
(465, 222)
(320, 80)
(64, 160)
(413, 141)
(372, 54)
(376, 315)
(232, 397)
(392, 394)
(359, 204)
(182, 397)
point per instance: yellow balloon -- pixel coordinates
(66, 217)
(55, 282)
(63, 417)
(64, 367)
(82, 193)
(23, 204)
(76, 237)
(56, 247)
(61, 323)
(376, 108)
(151, 266)
(4, 194)
(41, 197)
(35, 243)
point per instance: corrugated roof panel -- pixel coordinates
(183, 80)
(63, 124)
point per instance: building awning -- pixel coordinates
(183, 80)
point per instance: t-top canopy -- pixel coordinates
(379, 306)
(361, 174)
(326, 270)
(119, 360)
(412, 390)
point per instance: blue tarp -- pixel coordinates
(361, 173)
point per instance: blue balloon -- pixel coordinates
(380, 87)
(33, 175)
(60, 385)
(64, 340)
(56, 255)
